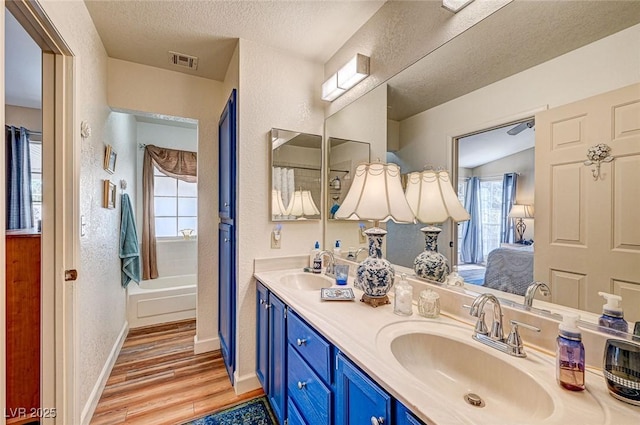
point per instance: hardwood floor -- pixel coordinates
(157, 380)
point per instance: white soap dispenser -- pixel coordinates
(612, 315)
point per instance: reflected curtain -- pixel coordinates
(175, 163)
(509, 186)
(471, 250)
(18, 178)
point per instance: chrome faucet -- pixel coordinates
(329, 270)
(511, 345)
(477, 310)
(358, 251)
(531, 292)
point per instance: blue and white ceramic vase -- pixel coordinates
(375, 274)
(430, 264)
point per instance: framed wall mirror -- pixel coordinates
(467, 86)
(344, 156)
(296, 175)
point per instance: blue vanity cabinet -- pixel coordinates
(403, 416)
(309, 373)
(271, 362)
(359, 400)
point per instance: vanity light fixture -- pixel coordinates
(520, 212)
(354, 71)
(455, 6)
(376, 195)
(302, 205)
(432, 200)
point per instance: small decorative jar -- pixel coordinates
(429, 304)
(402, 302)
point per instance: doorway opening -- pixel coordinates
(495, 171)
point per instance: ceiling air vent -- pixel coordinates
(183, 60)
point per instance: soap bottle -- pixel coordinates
(612, 316)
(402, 301)
(315, 251)
(570, 354)
(337, 250)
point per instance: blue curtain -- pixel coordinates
(18, 178)
(509, 185)
(471, 249)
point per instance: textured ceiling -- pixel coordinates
(144, 31)
(520, 35)
(488, 146)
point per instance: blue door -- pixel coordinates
(226, 233)
(277, 358)
(359, 400)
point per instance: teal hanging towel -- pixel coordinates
(129, 247)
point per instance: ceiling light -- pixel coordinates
(354, 71)
(455, 5)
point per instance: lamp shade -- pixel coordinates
(302, 204)
(431, 197)
(521, 211)
(376, 194)
(277, 206)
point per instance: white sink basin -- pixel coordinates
(306, 281)
(446, 359)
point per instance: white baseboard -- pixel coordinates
(244, 384)
(205, 345)
(94, 397)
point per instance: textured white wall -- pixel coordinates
(276, 90)
(135, 87)
(19, 116)
(100, 299)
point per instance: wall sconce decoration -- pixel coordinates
(85, 130)
(432, 200)
(520, 212)
(376, 195)
(598, 154)
(354, 71)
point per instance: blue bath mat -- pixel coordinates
(252, 412)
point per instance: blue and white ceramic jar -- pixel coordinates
(375, 274)
(430, 264)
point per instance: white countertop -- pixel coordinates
(355, 327)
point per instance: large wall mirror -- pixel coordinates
(525, 58)
(296, 175)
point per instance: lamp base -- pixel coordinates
(375, 301)
(430, 264)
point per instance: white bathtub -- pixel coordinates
(162, 300)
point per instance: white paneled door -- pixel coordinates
(587, 233)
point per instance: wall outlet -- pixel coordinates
(276, 237)
(362, 238)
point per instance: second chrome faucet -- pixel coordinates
(511, 345)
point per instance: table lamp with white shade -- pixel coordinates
(278, 211)
(432, 200)
(302, 205)
(520, 212)
(375, 195)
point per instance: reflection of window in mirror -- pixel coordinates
(495, 171)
